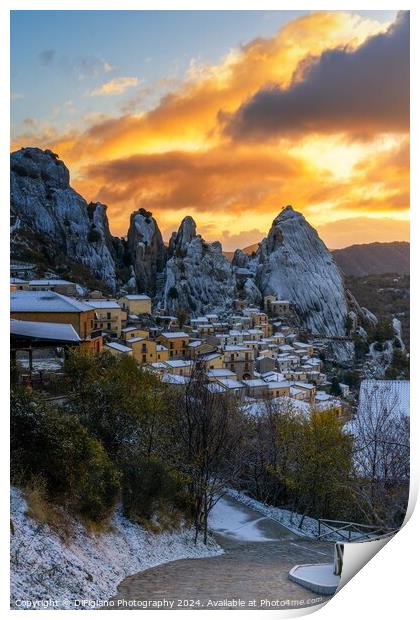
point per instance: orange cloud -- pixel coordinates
(174, 159)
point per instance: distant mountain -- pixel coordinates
(371, 258)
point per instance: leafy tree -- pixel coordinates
(323, 466)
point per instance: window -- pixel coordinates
(143, 358)
(108, 316)
(108, 325)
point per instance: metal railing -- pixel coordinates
(348, 530)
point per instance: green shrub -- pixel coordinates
(149, 486)
(56, 447)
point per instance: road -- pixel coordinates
(259, 553)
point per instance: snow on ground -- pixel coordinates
(90, 566)
(289, 519)
(231, 521)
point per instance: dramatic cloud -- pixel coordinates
(332, 141)
(116, 86)
(361, 91)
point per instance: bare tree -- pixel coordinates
(210, 431)
(382, 451)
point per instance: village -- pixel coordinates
(257, 355)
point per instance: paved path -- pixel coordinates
(259, 553)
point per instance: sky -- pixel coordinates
(223, 115)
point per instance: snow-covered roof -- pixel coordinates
(194, 343)
(137, 297)
(207, 357)
(171, 335)
(17, 281)
(231, 384)
(46, 282)
(136, 339)
(160, 347)
(45, 301)
(322, 396)
(179, 363)
(103, 303)
(306, 386)
(273, 385)
(220, 372)
(118, 347)
(44, 331)
(272, 375)
(254, 383)
(131, 328)
(294, 391)
(236, 347)
(176, 379)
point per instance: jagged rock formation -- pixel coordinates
(146, 249)
(197, 277)
(52, 224)
(294, 264)
(240, 259)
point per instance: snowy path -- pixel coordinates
(259, 553)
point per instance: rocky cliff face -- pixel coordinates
(53, 224)
(146, 250)
(197, 277)
(294, 264)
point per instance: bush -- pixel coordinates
(150, 487)
(55, 447)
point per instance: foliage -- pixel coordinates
(150, 487)
(54, 446)
(400, 365)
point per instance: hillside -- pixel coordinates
(374, 258)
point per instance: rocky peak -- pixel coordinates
(293, 263)
(53, 223)
(36, 164)
(198, 278)
(240, 259)
(146, 250)
(186, 233)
